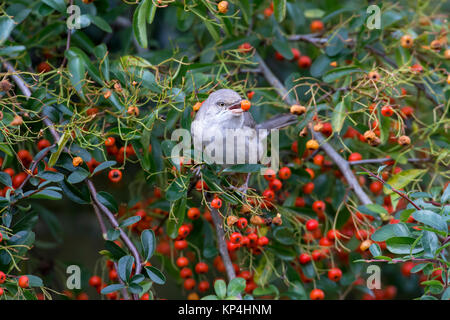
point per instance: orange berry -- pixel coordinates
(245, 105)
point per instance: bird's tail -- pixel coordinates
(279, 121)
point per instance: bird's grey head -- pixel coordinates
(224, 101)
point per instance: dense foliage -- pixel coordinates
(364, 173)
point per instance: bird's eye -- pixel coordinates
(221, 104)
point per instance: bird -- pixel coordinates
(221, 118)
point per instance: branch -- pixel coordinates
(310, 38)
(401, 194)
(340, 162)
(382, 160)
(115, 224)
(223, 249)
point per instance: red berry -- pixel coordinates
(376, 187)
(316, 255)
(299, 202)
(312, 224)
(180, 244)
(216, 203)
(189, 284)
(318, 206)
(182, 262)
(296, 53)
(308, 188)
(269, 174)
(110, 141)
(242, 223)
(183, 231)
(203, 286)
(43, 143)
(115, 175)
(269, 195)
(334, 274)
(23, 282)
(201, 267)
(316, 294)
(332, 235)
(304, 258)
(95, 281)
(406, 268)
(185, 273)
(304, 62)
(275, 184)
(263, 241)
(387, 111)
(193, 213)
(2, 277)
(355, 156)
(284, 173)
(236, 238)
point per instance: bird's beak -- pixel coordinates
(236, 108)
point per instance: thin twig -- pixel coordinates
(69, 35)
(401, 194)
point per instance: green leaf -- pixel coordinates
(338, 117)
(236, 286)
(446, 294)
(314, 13)
(282, 46)
(79, 175)
(112, 288)
(5, 179)
(155, 275)
(103, 166)
(148, 242)
(431, 219)
(402, 179)
(58, 5)
(177, 210)
(130, 221)
(284, 235)
(279, 9)
(320, 65)
(61, 144)
(402, 245)
(125, 266)
(390, 231)
(108, 201)
(338, 73)
(243, 168)
(375, 250)
(51, 176)
(210, 297)
(76, 68)
(116, 251)
(140, 16)
(6, 26)
(34, 281)
(220, 288)
(430, 243)
(47, 194)
(100, 22)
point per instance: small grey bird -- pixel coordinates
(221, 117)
